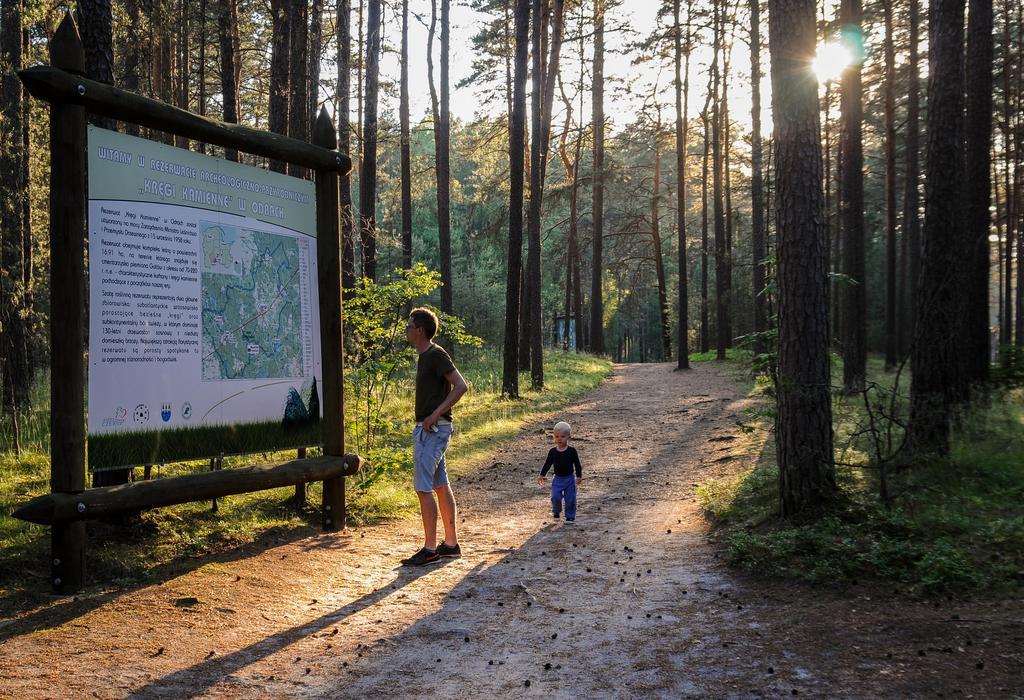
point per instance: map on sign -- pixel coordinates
(252, 301)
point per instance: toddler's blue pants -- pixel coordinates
(564, 488)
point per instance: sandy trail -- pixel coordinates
(630, 601)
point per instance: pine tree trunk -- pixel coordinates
(183, 76)
(757, 184)
(344, 27)
(279, 75)
(517, 136)
(890, 191)
(368, 174)
(911, 202)
(132, 51)
(659, 264)
(97, 29)
(933, 361)
(316, 42)
(721, 276)
(911, 196)
(974, 349)
(537, 31)
(442, 151)
(705, 330)
(597, 266)
(682, 89)
(854, 336)
(406, 156)
(730, 221)
(298, 65)
(229, 88)
(1006, 326)
(803, 426)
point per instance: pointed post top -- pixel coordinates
(66, 50)
(323, 131)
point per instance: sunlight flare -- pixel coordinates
(832, 59)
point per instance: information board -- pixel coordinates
(204, 334)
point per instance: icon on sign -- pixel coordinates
(186, 410)
(165, 411)
(141, 414)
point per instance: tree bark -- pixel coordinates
(659, 264)
(597, 266)
(348, 262)
(406, 156)
(682, 89)
(316, 41)
(227, 29)
(705, 330)
(442, 149)
(721, 276)
(298, 65)
(911, 196)
(279, 75)
(368, 173)
(133, 56)
(757, 225)
(803, 426)
(890, 191)
(854, 336)
(97, 29)
(974, 341)
(516, 150)
(933, 361)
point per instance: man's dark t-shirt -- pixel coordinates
(563, 462)
(432, 386)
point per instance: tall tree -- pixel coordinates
(368, 173)
(516, 152)
(97, 28)
(132, 49)
(974, 336)
(890, 189)
(722, 339)
(442, 147)
(279, 74)
(406, 156)
(933, 361)
(344, 26)
(757, 224)
(803, 426)
(682, 89)
(298, 82)
(227, 26)
(597, 266)
(854, 333)
(659, 263)
(911, 185)
(316, 41)
(705, 326)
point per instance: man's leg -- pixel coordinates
(449, 512)
(428, 511)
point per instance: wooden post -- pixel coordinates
(67, 311)
(328, 250)
(300, 489)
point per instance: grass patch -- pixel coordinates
(954, 527)
(167, 540)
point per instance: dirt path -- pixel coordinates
(631, 601)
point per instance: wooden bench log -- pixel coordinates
(100, 502)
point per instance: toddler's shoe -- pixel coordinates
(570, 520)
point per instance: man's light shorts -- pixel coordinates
(428, 449)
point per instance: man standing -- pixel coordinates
(438, 387)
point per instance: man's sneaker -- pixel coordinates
(454, 551)
(424, 556)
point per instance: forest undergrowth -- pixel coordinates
(949, 527)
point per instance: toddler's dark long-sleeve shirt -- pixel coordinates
(563, 462)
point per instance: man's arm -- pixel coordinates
(459, 387)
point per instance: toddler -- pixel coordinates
(565, 460)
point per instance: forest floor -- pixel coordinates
(632, 600)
